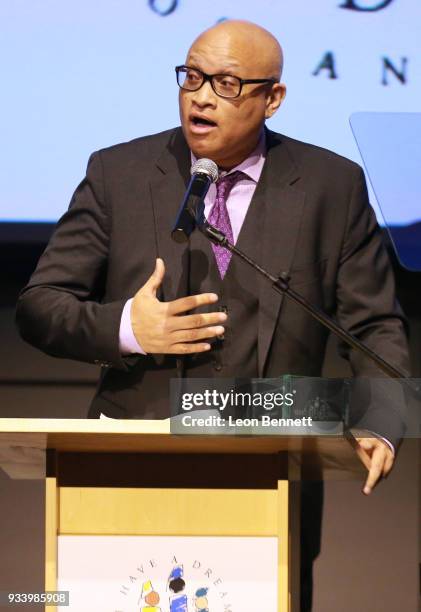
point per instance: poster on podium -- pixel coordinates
(168, 574)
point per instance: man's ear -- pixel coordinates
(275, 98)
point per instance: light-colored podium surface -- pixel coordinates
(135, 478)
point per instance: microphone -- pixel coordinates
(203, 173)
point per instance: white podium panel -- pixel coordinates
(169, 574)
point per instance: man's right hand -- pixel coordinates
(159, 327)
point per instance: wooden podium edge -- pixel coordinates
(51, 532)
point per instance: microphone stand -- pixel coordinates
(281, 285)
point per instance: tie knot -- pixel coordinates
(227, 182)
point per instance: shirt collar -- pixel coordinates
(252, 166)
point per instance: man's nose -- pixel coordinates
(205, 96)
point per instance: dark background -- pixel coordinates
(370, 546)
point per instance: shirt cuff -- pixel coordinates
(127, 340)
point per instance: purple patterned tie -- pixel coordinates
(219, 217)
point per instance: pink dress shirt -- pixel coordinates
(237, 204)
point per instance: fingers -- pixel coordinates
(197, 320)
(158, 326)
(380, 465)
(154, 281)
(388, 464)
(366, 444)
(190, 302)
(187, 349)
(192, 335)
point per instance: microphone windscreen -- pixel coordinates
(205, 166)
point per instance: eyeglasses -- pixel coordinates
(224, 85)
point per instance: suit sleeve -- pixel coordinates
(367, 307)
(61, 310)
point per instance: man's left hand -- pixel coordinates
(380, 461)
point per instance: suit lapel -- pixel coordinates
(283, 206)
(168, 186)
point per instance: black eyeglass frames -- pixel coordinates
(224, 85)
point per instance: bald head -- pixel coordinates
(232, 56)
(253, 47)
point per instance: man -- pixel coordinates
(295, 208)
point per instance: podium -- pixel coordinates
(134, 478)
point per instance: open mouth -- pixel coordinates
(202, 122)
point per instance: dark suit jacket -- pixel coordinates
(319, 228)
